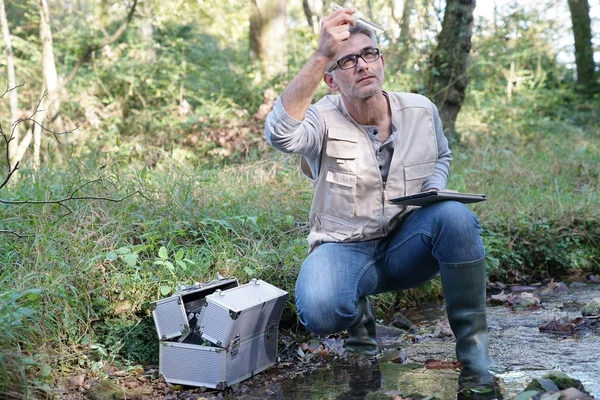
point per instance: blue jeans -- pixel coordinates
(335, 275)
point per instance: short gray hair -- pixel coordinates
(358, 28)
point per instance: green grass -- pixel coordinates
(77, 285)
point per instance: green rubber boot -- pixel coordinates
(362, 334)
(464, 290)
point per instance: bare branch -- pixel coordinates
(15, 233)
(11, 171)
(72, 197)
(63, 202)
(7, 90)
(23, 146)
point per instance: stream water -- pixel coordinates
(515, 342)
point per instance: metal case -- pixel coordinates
(241, 312)
(217, 367)
(172, 316)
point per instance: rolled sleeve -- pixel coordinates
(289, 135)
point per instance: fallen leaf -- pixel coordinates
(562, 325)
(442, 364)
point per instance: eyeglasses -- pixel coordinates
(369, 55)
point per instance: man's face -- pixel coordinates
(364, 79)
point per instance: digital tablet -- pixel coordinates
(426, 198)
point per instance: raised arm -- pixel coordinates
(298, 95)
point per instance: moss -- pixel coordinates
(562, 381)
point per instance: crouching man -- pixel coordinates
(360, 148)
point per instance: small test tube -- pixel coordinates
(362, 20)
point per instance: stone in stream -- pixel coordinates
(592, 309)
(557, 381)
(401, 322)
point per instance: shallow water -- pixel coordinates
(515, 342)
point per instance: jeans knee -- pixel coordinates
(457, 233)
(322, 314)
(457, 218)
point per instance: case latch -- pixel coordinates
(234, 346)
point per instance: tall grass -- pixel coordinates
(78, 282)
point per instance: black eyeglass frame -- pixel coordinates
(355, 58)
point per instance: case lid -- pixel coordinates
(254, 293)
(172, 315)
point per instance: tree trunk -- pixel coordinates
(310, 17)
(146, 31)
(584, 52)
(13, 134)
(268, 36)
(50, 81)
(405, 36)
(448, 74)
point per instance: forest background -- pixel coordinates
(135, 159)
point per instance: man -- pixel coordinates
(361, 148)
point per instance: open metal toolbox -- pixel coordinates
(216, 334)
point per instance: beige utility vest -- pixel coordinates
(351, 201)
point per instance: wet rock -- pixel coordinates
(546, 385)
(442, 330)
(593, 278)
(520, 301)
(401, 322)
(559, 287)
(592, 309)
(401, 357)
(389, 332)
(574, 394)
(561, 381)
(575, 285)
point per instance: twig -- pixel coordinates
(15, 233)
(11, 89)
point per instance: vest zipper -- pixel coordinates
(383, 224)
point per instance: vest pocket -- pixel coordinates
(340, 192)
(415, 174)
(337, 228)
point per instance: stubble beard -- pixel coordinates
(372, 89)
